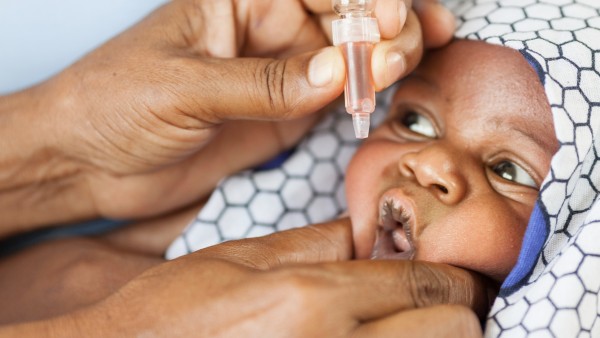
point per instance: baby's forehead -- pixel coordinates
(558, 39)
(476, 77)
(473, 87)
(462, 56)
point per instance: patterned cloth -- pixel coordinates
(553, 289)
(307, 187)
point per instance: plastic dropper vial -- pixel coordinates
(355, 33)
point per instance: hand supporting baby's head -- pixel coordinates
(453, 173)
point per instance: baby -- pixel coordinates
(453, 172)
(452, 175)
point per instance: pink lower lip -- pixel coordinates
(400, 240)
(387, 245)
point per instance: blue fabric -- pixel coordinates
(533, 241)
(275, 162)
(535, 65)
(95, 227)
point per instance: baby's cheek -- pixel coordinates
(361, 195)
(504, 246)
(369, 174)
(363, 231)
(488, 243)
(363, 241)
(358, 175)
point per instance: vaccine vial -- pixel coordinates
(355, 32)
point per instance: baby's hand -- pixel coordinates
(137, 115)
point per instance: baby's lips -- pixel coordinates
(401, 206)
(401, 241)
(392, 241)
(384, 248)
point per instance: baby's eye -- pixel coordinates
(512, 172)
(419, 124)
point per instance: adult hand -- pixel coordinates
(126, 128)
(296, 283)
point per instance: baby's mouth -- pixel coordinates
(393, 238)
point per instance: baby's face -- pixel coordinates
(453, 173)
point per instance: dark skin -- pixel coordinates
(122, 132)
(471, 165)
(78, 147)
(305, 268)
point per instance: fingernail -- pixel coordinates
(320, 69)
(395, 66)
(402, 13)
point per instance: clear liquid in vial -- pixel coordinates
(360, 90)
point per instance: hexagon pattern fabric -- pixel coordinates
(306, 188)
(553, 290)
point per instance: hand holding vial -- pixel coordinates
(273, 78)
(373, 65)
(356, 32)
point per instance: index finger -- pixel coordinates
(433, 321)
(374, 289)
(327, 242)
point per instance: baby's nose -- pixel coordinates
(437, 169)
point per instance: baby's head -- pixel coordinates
(452, 174)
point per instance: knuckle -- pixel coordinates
(251, 252)
(427, 285)
(179, 104)
(270, 79)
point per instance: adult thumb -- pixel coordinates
(268, 89)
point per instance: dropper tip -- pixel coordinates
(361, 123)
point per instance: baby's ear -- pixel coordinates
(535, 65)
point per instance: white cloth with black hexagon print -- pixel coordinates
(553, 289)
(299, 187)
